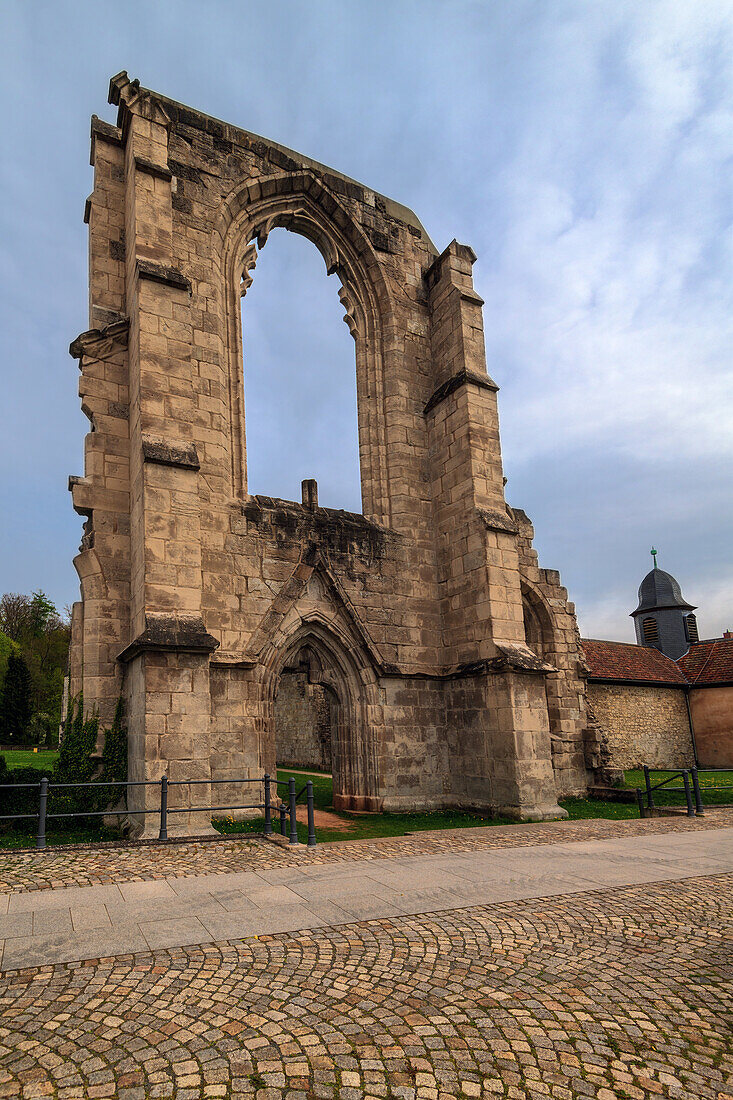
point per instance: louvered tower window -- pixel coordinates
(691, 629)
(650, 630)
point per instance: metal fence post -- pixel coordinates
(648, 782)
(42, 803)
(688, 793)
(293, 824)
(163, 834)
(311, 815)
(283, 819)
(699, 808)
(268, 806)
(640, 800)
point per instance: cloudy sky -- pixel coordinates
(581, 147)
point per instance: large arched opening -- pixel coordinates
(299, 377)
(299, 202)
(307, 712)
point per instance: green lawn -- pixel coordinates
(365, 826)
(27, 758)
(664, 797)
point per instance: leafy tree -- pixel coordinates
(7, 646)
(15, 701)
(42, 636)
(15, 616)
(42, 613)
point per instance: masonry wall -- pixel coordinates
(712, 718)
(303, 722)
(643, 725)
(552, 630)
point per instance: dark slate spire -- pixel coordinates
(660, 589)
(663, 618)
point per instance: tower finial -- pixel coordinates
(654, 556)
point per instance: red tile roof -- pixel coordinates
(623, 661)
(709, 662)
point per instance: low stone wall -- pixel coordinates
(643, 724)
(303, 723)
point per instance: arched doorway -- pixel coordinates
(318, 678)
(306, 715)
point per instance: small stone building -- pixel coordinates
(638, 696)
(450, 658)
(667, 701)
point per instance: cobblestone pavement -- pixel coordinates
(614, 994)
(31, 870)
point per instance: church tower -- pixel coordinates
(663, 619)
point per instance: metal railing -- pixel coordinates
(285, 809)
(690, 787)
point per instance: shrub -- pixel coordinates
(77, 763)
(22, 800)
(15, 701)
(114, 753)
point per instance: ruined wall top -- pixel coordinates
(124, 93)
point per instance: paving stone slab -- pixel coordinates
(89, 917)
(176, 932)
(142, 891)
(41, 950)
(232, 926)
(50, 921)
(16, 924)
(63, 897)
(271, 897)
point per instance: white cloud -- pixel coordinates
(612, 295)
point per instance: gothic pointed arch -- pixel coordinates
(314, 593)
(538, 625)
(301, 203)
(347, 671)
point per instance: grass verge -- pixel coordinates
(664, 797)
(371, 826)
(27, 758)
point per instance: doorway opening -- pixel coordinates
(305, 716)
(309, 718)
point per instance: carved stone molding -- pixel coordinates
(100, 342)
(171, 453)
(172, 634)
(169, 276)
(461, 378)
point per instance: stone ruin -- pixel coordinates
(447, 659)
